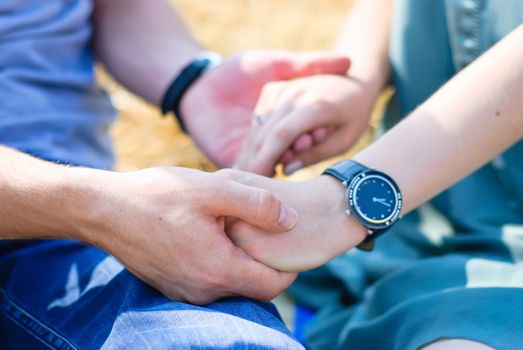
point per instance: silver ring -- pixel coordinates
(260, 119)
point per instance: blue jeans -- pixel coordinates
(65, 295)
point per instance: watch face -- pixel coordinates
(375, 199)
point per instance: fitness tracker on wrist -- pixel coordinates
(373, 198)
(188, 75)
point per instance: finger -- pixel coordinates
(293, 65)
(302, 143)
(281, 108)
(282, 135)
(283, 104)
(257, 206)
(329, 148)
(319, 134)
(288, 155)
(263, 108)
(260, 139)
(256, 280)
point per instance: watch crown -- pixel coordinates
(348, 212)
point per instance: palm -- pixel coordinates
(218, 108)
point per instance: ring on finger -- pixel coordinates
(260, 119)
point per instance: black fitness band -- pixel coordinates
(189, 74)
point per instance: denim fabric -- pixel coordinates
(64, 295)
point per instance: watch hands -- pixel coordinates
(381, 201)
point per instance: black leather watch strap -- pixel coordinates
(345, 170)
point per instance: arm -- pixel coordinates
(473, 118)
(365, 39)
(143, 44)
(315, 118)
(166, 225)
(470, 120)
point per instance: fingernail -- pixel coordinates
(293, 166)
(288, 217)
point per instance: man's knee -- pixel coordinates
(195, 327)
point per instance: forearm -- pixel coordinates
(365, 39)
(40, 199)
(469, 121)
(143, 44)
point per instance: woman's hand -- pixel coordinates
(323, 230)
(306, 120)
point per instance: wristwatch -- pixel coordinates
(373, 198)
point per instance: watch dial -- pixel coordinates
(375, 198)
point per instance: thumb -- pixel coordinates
(294, 65)
(256, 206)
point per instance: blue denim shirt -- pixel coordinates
(50, 105)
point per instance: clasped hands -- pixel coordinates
(312, 112)
(199, 236)
(297, 123)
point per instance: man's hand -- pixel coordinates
(166, 225)
(309, 120)
(323, 230)
(218, 108)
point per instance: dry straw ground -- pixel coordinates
(143, 138)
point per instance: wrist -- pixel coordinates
(85, 199)
(188, 76)
(43, 200)
(333, 197)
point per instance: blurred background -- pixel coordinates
(143, 138)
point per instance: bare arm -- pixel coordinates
(365, 39)
(39, 199)
(143, 44)
(164, 224)
(469, 121)
(473, 118)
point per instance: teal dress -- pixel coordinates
(454, 267)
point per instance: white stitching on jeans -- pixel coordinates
(28, 330)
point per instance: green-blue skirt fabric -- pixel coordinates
(454, 267)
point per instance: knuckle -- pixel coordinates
(273, 86)
(283, 133)
(219, 183)
(228, 174)
(264, 204)
(321, 105)
(200, 298)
